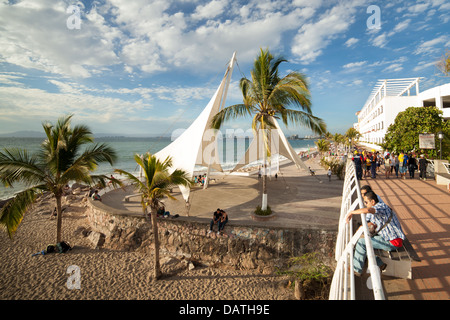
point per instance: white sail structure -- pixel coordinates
(197, 145)
(278, 145)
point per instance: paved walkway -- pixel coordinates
(298, 199)
(423, 208)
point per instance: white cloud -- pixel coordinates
(380, 41)
(424, 65)
(307, 3)
(428, 47)
(402, 25)
(418, 8)
(395, 67)
(9, 78)
(36, 104)
(35, 35)
(313, 37)
(209, 10)
(353, 65)
(351, 42)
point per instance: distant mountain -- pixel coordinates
(37, 134)
(23, 134)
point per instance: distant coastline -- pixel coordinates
(37, 134)
(111, 136)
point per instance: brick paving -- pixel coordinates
(423, 208)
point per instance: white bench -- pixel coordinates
(127, 198)
(399, 261)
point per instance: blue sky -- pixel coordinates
(150, 67)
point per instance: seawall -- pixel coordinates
(242, 246)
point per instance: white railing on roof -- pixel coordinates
(392, 87)
(343, 283)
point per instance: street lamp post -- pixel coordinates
(440, 136)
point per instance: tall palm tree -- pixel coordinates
(352, 134)
(66, 155)
(267, 96)
(154, 187)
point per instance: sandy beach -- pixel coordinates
(110, 274)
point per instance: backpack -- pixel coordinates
(63, 246)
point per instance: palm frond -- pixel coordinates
(132, 179)
(13, 211)
(158, 180)
(308, 120)
(98, 153)
(18, 166)
(228, 113)
(179, 177)
(293, 91)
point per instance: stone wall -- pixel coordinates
(252, 246)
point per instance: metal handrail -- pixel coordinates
(343, 283)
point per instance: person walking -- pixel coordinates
(358, 160)
(423, 167)
(396, 165)
(412, 165)
(387, 166)
(403, 159)
(373, 168)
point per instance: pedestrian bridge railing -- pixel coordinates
(343, 283)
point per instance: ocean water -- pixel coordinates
(126, 148)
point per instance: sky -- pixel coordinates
(135, 67)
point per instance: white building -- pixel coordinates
(439, 97)
(392, 96)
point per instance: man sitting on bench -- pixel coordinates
(388, 236)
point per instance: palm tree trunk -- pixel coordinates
(58, 218)
(157, 266)
(264, 196)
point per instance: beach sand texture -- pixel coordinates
(110, 274)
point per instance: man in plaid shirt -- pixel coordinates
(389, 235)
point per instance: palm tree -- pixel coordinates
(352, 134)
(266, 97)
(322, 146)
(328, 136)
(154, 187)
(61, 160)
(338, 138)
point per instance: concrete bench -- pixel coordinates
(442, 172)
(399, 261)
(127, 198)
(443, 179)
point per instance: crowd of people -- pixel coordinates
(370, 164)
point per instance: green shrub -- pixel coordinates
(313, 276)
(258, 211)
(336, 165)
